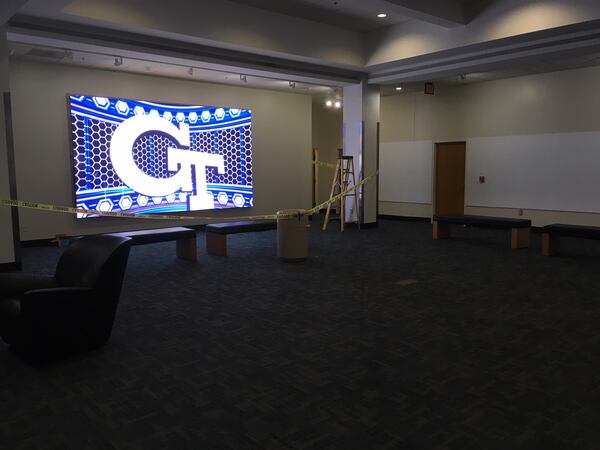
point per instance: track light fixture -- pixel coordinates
(118, 61)
(335, 101)
(243, 79)
(293, 84)
(191, 71)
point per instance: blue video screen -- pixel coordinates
(143, 157)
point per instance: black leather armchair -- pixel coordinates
(71, 312)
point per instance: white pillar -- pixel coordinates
(9, 230)
(361, 140)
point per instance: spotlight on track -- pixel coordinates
(118, 61)
(334, 99)
(399, 88)
(293, 84)
(243, 79)
(191, 71)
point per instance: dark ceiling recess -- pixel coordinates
(46, 53)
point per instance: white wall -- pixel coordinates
(405, 172)
(281, 140)
(536, 140)
(361, 118)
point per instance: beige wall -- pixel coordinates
(7, 251)
(557, 102)
(564, 105)
(327, 137)
(282, 131)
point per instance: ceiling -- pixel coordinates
(116, 63)
(361, 15)
(182, 71)
(566, 61)
(575, 48)
(357, 15)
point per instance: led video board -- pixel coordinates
(144, 157)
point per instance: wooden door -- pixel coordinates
(450, 178)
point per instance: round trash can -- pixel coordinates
(292, 235)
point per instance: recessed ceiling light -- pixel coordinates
(399, 88)
(329, 103)
(382, 15)
(337, 104)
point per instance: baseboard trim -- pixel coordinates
(534, 229)
(11, 267)
(38, 243)
(406, 218)
(363, 226)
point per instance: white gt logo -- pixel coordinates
(179, 161)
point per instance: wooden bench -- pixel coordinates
(185, 239)
(216, 233)
(520, 228)
(551, 235)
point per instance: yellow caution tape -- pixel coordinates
(324, 164)
(71, 210)
(336, 198)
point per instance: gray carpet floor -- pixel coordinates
(383, 339)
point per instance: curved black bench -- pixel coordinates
(216, 233)
(520, 228)
(551, 235)
(185, 237)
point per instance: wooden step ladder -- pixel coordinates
(344, 173)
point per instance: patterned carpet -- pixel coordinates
(383, 339)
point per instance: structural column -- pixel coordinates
(9, 228)
(361, 140)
